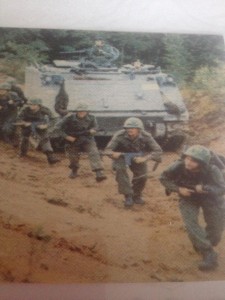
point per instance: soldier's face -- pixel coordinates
(81, 114)
(132, 132)
(191, 164)
(34, 107)
(99, 43)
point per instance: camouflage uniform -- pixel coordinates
(14, 88)
(42, 116)
(80, 129)
(9, 102)
(20, 94)
(212, 202)
(122, 143)
(103, 56)
(3, 110)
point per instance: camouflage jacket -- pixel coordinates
(44, 114)
(145, 143)
(209, 177)
(73, 126)
(9, 104)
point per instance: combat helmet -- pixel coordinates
(5, 86)
(82, 107)
(133, 123)
(199, 153)
(35, 101)
(11, 81)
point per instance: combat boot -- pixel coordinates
(100, 176)
(51, 159)
(73, 173)
(24, 147)
(138, 200)
(209, 261)
(128, 201)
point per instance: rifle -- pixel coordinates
(129, 156)
(188, 186)
(74, 52)
(84, 132)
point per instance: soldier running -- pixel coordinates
(34, 120)
(199, 184)
(132, 147)
(79, 129)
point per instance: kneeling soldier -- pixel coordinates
(199, 184)
(79, 129)
(132, 147)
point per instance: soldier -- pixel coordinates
(34, 120)
(102, 54)
(78, 129)
(199, 184)
(132, 147)
(16, 89)
(9, 103)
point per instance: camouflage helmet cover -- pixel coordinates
(14, 96)
(133, 123)
(82, 107)
(35, 101)
(5, 86)
(200, 153)
(11, 81)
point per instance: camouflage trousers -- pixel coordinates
(73, 151)
(44, 142)
(125, 185)
(203, 239)
(7, 128)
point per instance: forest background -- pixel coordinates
(197, 62)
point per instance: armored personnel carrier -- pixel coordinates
(114, 94)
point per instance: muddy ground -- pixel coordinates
(57, 230)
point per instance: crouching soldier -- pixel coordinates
(199, 184)
(131, 148)
(34, 119)
(79, 129)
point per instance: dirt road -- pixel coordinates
(57, 230)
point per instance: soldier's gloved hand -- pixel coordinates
(185, 192)
(10, 101)
(140, 159)
(92, 131)
(70, 138)
(42, 126)
(116, 155)
(199, 189)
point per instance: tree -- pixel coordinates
(177, 58)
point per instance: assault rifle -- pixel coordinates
(191, 187)
(129, 156)
(84, 132)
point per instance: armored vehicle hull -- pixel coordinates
(114, 95)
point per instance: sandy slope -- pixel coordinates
(57, 230)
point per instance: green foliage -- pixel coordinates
(176, 58)
(180, 55)
(211, 81)
(18, 56)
